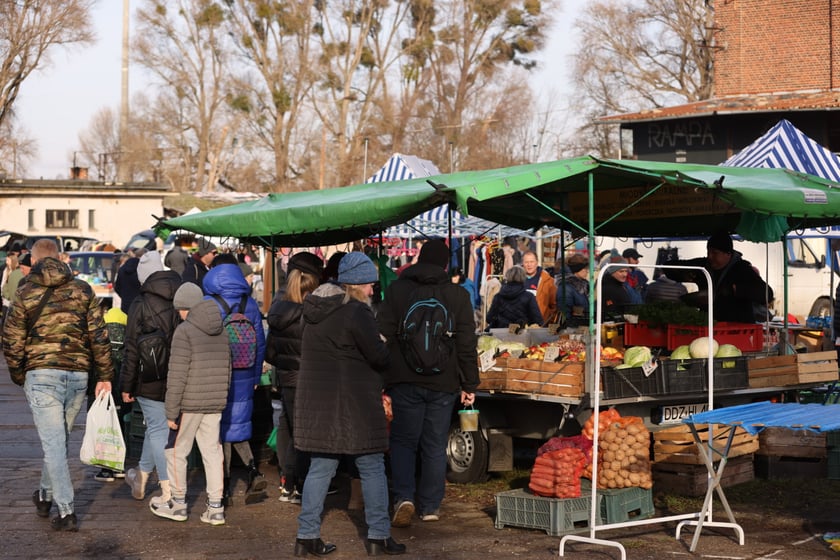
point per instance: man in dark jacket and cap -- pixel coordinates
(199, 263)
(423, 404)
(740, 294)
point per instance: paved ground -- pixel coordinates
(113, 525)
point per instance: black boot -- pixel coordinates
(313, 546)
(226, 499)
(256, 480)
(378, 547)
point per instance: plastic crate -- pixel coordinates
(626, 504)
(518, 508)
(632, 382)
(642, 334)
(748, 337)
(691, 376)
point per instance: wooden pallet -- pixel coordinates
(676, 445)
(693, 480)
(784, 442)
(795, 369)
(559, 384)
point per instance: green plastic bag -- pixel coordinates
(272, 439)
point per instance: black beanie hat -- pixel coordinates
(434, 252)
(307, 262)
(721, 241)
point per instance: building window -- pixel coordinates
(91, 219)
(31, 219)
(62, 219)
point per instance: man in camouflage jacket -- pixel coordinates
(51, 356)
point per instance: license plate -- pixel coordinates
(674, 413)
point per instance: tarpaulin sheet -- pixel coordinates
(754, 417)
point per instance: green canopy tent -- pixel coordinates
(638, 198)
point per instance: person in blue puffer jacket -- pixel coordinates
(225, 279)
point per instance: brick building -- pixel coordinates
(773, 59)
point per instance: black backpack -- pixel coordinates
(425, 334)
(152, 350)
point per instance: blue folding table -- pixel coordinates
(753, 418)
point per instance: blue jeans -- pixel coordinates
(55, 397)
(421, 423)
(157, 434)
(374, 489)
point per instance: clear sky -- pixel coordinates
(59, 101)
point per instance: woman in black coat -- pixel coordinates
(339, 403)
(513, 303)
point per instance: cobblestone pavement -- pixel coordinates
(113, 525)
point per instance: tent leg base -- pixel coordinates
(591, 540)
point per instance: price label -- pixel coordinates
(649, 367)
(551, 353)
(486, 360)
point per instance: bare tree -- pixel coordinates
(17, 149)
(184, 44)
(29, 31)
(274, 43)
(638, 54)
(465, 45)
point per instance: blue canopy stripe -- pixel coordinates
(785, 146)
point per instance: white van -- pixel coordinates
(813, 268)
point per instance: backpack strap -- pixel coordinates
(223, 303)
(30, 321)
(243, 303)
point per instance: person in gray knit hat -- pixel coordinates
(339, 403)
(186, 296)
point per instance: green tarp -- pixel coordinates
(629, 198)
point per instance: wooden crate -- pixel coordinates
(494, 378)
(547, 378)
(795, 369)
(784, 442)
(693, 480)
(676, 444)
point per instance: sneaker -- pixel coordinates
(214, 515)
(42, 507)
(176, 511)
(104, 475)
(431, 516)
(333, 489)
(292, 497)
(66, 523)
(403, 512)
(136, 480)
(119, 474)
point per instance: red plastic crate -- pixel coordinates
(642, 334)
(747, 337)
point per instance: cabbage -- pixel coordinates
(681, 353)
(699, 347)
(486, 342)
(636, 356)
(513, 347)
(728, 351)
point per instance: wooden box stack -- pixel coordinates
(546, 378)
(516, 375)
(678, 466)
(795, 369)
(787, 453)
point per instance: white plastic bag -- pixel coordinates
(103, 444)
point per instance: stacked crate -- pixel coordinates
(787, 453)
(678, 466)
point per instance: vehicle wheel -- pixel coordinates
(821, 308)
(467, 455)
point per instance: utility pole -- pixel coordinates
(122, 164)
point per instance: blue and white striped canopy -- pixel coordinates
(785, 146)
(435, 222)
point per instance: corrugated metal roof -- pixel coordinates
(747, 103)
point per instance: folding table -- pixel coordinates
(753, 418)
